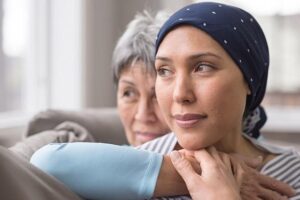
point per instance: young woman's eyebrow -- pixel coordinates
(206, 54)
(162, 58)
(193, 56)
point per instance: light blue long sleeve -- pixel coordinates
(101, 171)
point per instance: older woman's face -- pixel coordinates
(137, 105)
(199, 88)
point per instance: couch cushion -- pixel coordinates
(103, 124)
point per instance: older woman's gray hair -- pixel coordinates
(138, 43)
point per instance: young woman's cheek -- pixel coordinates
(164, 97)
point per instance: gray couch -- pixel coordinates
(94, 125)
(103, 124)
(22, 180)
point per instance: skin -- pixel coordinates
(137, 105)
(196, 76)
(216, 175)
(193, 169)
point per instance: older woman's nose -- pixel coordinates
(183, 91)
(145, 111)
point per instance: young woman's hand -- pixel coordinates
(216, 180)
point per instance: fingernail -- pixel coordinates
(175, 156)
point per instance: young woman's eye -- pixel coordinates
(163, 72)
(203, 67)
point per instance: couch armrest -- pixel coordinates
(104, 124)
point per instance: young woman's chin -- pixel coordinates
(193, 142)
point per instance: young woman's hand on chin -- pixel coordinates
(216, 180)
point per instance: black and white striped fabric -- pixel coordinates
(285, 167)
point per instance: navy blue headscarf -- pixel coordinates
(239, 34)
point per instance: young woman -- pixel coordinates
(212, 65)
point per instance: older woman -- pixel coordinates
(134, 75)
(92, 169)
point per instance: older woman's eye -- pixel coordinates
(128, 93)
(203, 67)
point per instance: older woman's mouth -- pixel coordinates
(146, 136)
(188, 120)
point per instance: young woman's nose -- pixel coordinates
(183, 90)
(145, 111)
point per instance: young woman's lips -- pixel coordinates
(188, 120)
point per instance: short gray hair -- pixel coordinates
(138, 42)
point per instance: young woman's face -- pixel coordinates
(199, 88)
(137, 105)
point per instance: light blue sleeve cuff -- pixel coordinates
(101, 171)
(150, 179)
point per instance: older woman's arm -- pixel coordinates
(104, 171)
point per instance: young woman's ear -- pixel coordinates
(247, 88)
(248, 91)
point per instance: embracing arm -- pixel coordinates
(97, 170)
(169, 182)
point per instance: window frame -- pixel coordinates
(49, 61)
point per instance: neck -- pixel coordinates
(236, 143)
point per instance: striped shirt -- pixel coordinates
(285, 167)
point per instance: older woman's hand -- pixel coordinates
(216, 180)
(253, 185)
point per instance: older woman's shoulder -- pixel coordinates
(285, 167)
(163, 145)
